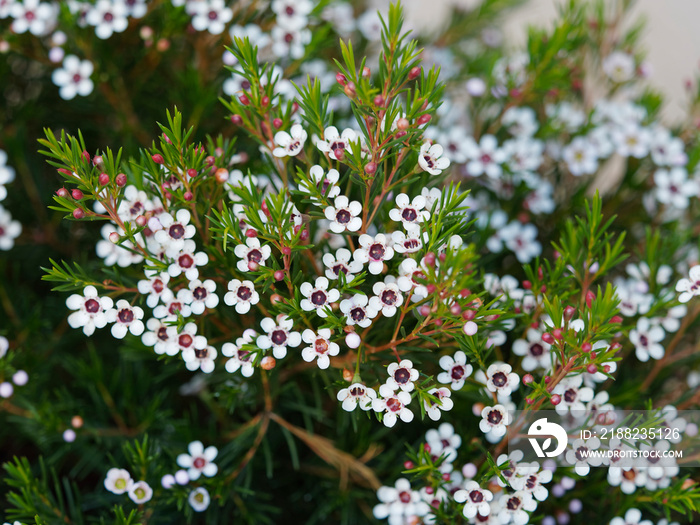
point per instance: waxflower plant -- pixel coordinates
(372, 246)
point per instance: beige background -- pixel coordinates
(672, 38)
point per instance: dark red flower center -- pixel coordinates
(185, 261)
(176, 231)
(476, 496)
(255, 255)
(409, 214)
(244, 293)
(570, 395)
(319, 298)
(199, 293)
(343, 216)
(389, 297)
(499, 379)
(394, 405)
(278, 337)
(402, 376)
(126, 315)
(377, 251)
(494, 417)
(457, 372)
(199, 463)
(92, 306)
(185, 340)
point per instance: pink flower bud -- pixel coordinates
(547, 338)
(556, 333)
(341, 79)
(103, 179)
(371, 168)
(120, 180)
(527, 379)
(429, 259)
(470, 328)
(279, 275)
(188, 196)
(158, 158)
(402, 123)
(62, 192)
(236, 120)
(586, 347)
(556, 399)
(424, 119)
(286, 250)
(379, 101)
(468, 315)
(414, 73)
(591, 369)
(277, 123)
(268, 362)
(353, 340)
(77, 194)
(250, 232)
(455, 309)
(253, 266)
(78, 213)
(408, 465)
(569, 312)
(114, 237)
(244, 100)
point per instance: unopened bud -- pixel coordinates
(350, 90)
(158, 158)
(586, 347)
(114, 237)
(470, 328)
(279, 275)
(402, 123)
(120, 180)
(221, 175)
(103, 179)
(590, 297)
(236, 120)
(253, 266)
(592, 369)
(353, 340)
(379, 101)
(78, 213)
(244, 100)
(347, 375)
(556, 399)
(414, 73)
(268, 362)
(277, 123)
(429, 259)
(527, 379)
(141, 221)
(86, 156)
(569, 312)
(188, 196)
(265, 101)
(366, 72)
(62, 192)
(547, 338)
(341, 79)
(191, 173)
(424, 119)
(251, 232)
(77, 194)
(371, 168)
(76, 421)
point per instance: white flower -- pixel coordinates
(34, 16)
(486, 157)
(354, 395)
(494, 420)
(113, 253)
(188, 341)
(393, 405)
(199, 499)
(140, 492)
(358, 311)
(278, 335)
(200, 359)
(580, 157)
(7, 174)
(631, 140)
(399, 503)
(290, 145)
(199, 460)
(107, 17)
(646, 338)
(287, 41)
(341, 263)
(580, 455)
(242, 294)
(387, 296)
(321, 347)
(135, 203)
(520, 121)
(521, 239)
(456, 370)
(292, 13)
(514, 508)
(156, 286)
(126, 318)
(172, 232)
(531, 479)
(187, 261)
(674, 188)
(136, 8)
(160, 336)
(327, 183)
(501, 379)
(430, 158)
(689, 287)
(632, 517)
(475, 499)
(91, 310)
(74, 77)
(210, 15)
(9, 230)
(411, 214)
(118, 480)
(335, 144)
(433, 408)
(318, 297)
(251, 252)
(409, 242)
(619, 66)
(174, 306)
(203, 295)
(240, 358)
(344, 215)
(402, 375)
(573, 396)
(374, 250)
(443, 441)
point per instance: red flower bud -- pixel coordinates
(527, 285)
(62, 192)
(253, 266)
(86, 156)
(586, 347)
(424, 310)
(188, 196)
(455, 309)
(120, 180)
(556, 399)
(77, 194)
(408, 465)
(265, 101)
(427, 448)
(547, 380)
(277, 123)
(414, 73)
(304, 235)
(78, 213)
(556, 333)
(103, 179)
(191, 173)
(210, 160)
(431, 288)
(244, 100)
(547, 338)
(366, 72)
(429, 259)
(286, 250)
(166, 138)
(341, 79)
(615, 319)
(569, 312)
(592, 369)
(590, 297)
(424, 119)
(527, 379)
(279, 275)
(464, 293)
(468, 315)
(158, 158)
(350, 90)
(402, 123)
(250, 232)
(529, 401)
(66, 172)
(141, 221)
(379, 101)
(371, 168)
(236, 120)
(400, 134)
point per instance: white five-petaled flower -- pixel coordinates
(136, 202)
(199, 499)
(456, 370)
(573, 396)
(514, 508)
(186, 261)
(74, 77)
(689, 288)
(674, 188)
(535, 352)
(289, 41)
(317, 296)
(290, 144)
(358, 311)
(107, 17)
(531, 481)
(160, 336)
(278, 335)
(344, 215)
(126, 318)
(321, 348)
(210, 15)
(433, 408)
(240, 358)
(335, 144)
(174, 306)
(475, 499)
(203, 295)
(409, 242)
(140, 492)
(251, 252)
(33, 16)
(326, 183)
(400, 504)
(580, 455)
(199, 460)
(374, 250)
(580, 156)
(200, 359)
(402, 375)
(156, 287)
(242, 295)
(188, 341)
(494, 420)
(356, 394)
(501, 379)
(619, 66)
(387, 296)
(646, 338)
(486, 157)
(411, 214)
(341, 263)
(91, 310)
(393, 405)
(172, 232)
(431, 159)
(118, 480)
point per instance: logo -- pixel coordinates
(543, 428)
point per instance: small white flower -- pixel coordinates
(187, 261)
(9, 229)
(199, 499)
(91, 310)
(374, 250)
(646, 338)
(188, 341)
(118, 481)
(689, 288)
(573, 396)
(203, 295)
(399, 503)
(240, 358)
(210, 15)
(515, 507)
(501, 379)
(520, 121)
(335, 144)
(327, 183)
(486, 157)
(113, 253)
(356, 394)
(673, 187)
(4, 346)
(431, 159)
(531, 480)
(156, 286)
(317, 296)
(289, 41)
(140, 492)
(344, 215)
(74, 77)
(321, 347)
(411, 214)
(409, 242)
(278, 335)
(619, 66)
(107, 17)
(174, 306)
(358, 311)
(242, 295)
(631, 140)
(160, 336)
(393, 405)
(290, 145)
(494, 420)
(580, 455)
(34, 16)
(341, 263)
(402, 375)
(456, 370)
(200, 359)
(432, 408)
(535, 352)
(251, 252)
(387, 296)
(172, 232)
(475, 499)
(135, 203)
(126, 318)
(580, 157)
(199, 460)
